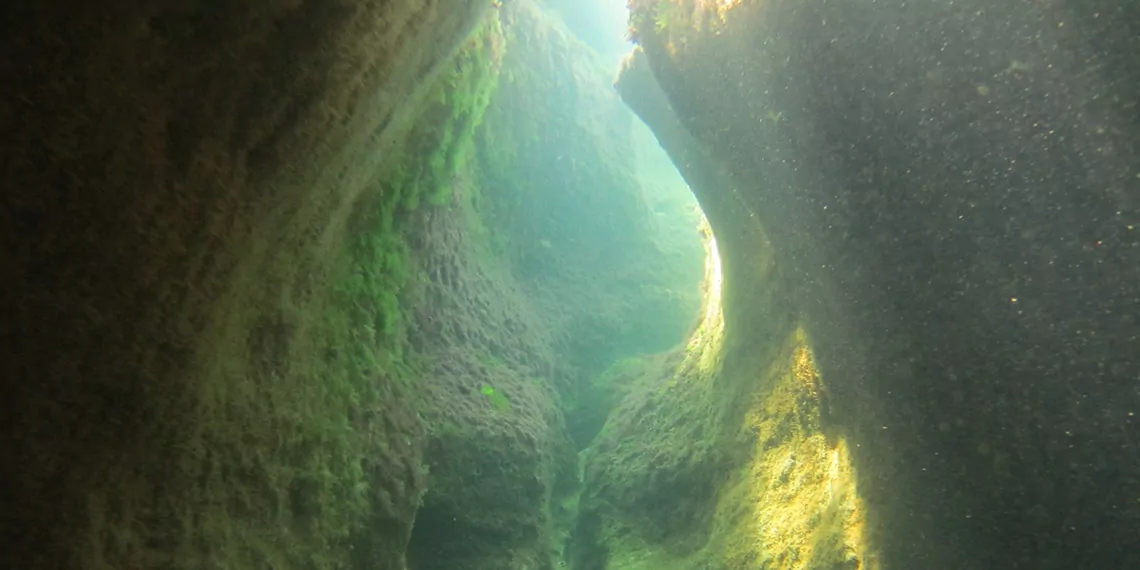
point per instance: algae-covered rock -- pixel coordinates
(544, 257)
(193, 376)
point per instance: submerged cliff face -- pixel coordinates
(181, 385)
(286, 281)
(348, 285)
(548, 256)
(950, 194)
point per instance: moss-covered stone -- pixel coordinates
(206, 368)
(515, 282)
(263, 298)
(440, 143)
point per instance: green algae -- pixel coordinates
(342, 468)
(498, 400)
(442, 141)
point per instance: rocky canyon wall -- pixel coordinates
(950, 192)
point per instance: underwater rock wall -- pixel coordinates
(198, 368)
(950, 192)
(268, 299)
(720, 455)
(480, 356)
(546, 259)
(611, 262)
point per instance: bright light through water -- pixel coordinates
(705, 344)
(602, 24)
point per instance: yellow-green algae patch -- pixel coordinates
(794, 505)
(720, 455)
(791, 503)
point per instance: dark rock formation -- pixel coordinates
(951, 191)
(175, 177)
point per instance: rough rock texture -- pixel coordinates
(550, 260)
(178, 178)
(719, 456)
(611, 260)
(497, 445)
(260, 296)
(951, 193)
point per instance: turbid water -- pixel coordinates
(519, 285)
